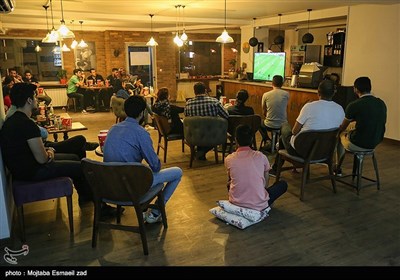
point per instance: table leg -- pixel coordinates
(65, 135)
(55, 135)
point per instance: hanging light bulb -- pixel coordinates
(82, 44)
(184, 37)
(63, 30)
(74, 42)
(151, 42)
(46, 38)
(52, 36)
(308, 38)
(38, 48)
(177, 40)
(224, 37)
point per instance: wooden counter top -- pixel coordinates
(268, 85)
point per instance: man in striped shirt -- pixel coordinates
(204, 105)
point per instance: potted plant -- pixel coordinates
(232, 71)
(62, 76)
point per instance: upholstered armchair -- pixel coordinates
(205, 132)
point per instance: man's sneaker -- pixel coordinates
(151, 218)
(84, 111)
(91, 146)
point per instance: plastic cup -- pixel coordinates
(40, 91)
(104, 131)
(90, 83)
(232, 101)
(102, 140)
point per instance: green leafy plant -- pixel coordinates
(62, 74)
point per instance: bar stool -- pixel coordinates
(275, 133)
(358, 162)
(71, 102)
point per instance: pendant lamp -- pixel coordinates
(151, 42)
(253, 40)
(63, 30)
(184, 37)
(82, 44)
(74, 42)
(47, 37)
(177, 40)
(224, 37)
(308, 38)
(279, 39)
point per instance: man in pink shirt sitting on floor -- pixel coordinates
(248, 175)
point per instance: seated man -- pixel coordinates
(24, 152)
(317, 115)
(204, 105)
(76, 89)
(246, 163)
(369, 114)
(32, 80)
(240, 108)
(128, 141)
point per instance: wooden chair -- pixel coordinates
(117, 106)
(164, 129)
(29, 191)
(205, 132)
(254, 121)
(123, 184)
(71, 101)
(316, 146)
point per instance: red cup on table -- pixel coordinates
(40, 91)
(102, 140)
(232, 101)
(90, 83)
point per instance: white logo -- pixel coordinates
(9, 256)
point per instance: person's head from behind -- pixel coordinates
(241, 97)
(277, 81)
(162, 94)
(8, 81)
(134, 107)
(22, 94)
(326, 89)
(244, 135)
(362, 85)
(335, 78)
(199, 88)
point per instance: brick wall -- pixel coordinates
(108, 41)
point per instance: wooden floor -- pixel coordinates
(327, 229)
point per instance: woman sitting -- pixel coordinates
(239, 108)
(162, 107)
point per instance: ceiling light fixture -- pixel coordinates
(65, 48)
(63, 29)
(253, 41)
(82, 43)
(151, 42)
(74, 42)
(177, 40)
(47, 38)
(184, 37)
(54, 35)
(308, 38)
(279, 39)
(224, 37)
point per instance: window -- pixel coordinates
(200, 58)
(42, 59)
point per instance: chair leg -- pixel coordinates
(142, 229)
(278, 171)
(306, 172)
(359, 169)
(70, 214)
(161, 207)
(119, 214)
(355, 162)
(165, 149)
(223, 152)
(192, 152)
(20, 211)
(216, 154)
(274, 135)
(159, 142)
(183, 145)
(96, 219)
(332, 176)
(378, 183)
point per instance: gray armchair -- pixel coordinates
(117, 106)
(205, 132)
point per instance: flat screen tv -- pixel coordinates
(267, 65)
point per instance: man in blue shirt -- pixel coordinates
(128, 141)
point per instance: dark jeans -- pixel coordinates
(74, 145)
(284, 143)
(65, 168)
(276, 190)
(81, 103)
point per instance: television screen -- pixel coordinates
(267, 65)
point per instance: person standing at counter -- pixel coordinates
(274, 107)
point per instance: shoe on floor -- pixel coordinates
(338, 172)
(109, 211)
(84, 111)
(91, 146)
(151, 218)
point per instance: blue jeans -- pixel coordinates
(172, 176)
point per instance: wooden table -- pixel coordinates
(76, 126)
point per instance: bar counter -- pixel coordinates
(298, 96)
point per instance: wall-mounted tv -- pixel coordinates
(267, 65)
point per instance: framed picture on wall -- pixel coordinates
(85, 58)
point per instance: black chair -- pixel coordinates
(314, 146)
(164, 129)
(123, 184)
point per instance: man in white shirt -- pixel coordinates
(317, 115)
